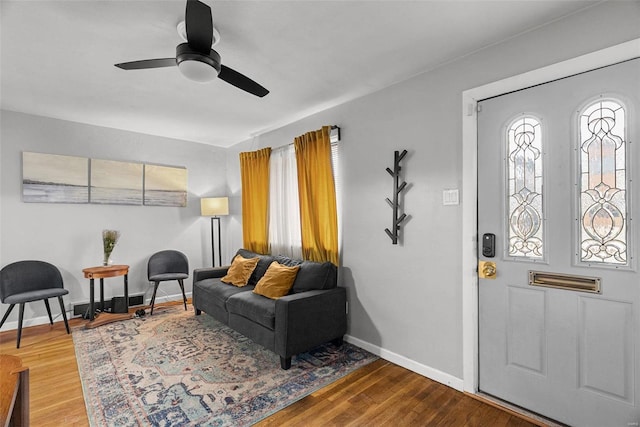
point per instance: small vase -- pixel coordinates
(109, 240)
(107, 259)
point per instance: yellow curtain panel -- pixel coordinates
(317, 192)
(254, 171)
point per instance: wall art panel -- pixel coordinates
(165, 186)
(52, 178)
(114, 182)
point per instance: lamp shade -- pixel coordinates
(214, 206)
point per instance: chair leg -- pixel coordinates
(184, 296)
(6, 314)
(21, 315)
(64, 314)
(153, 298)
(46, 304)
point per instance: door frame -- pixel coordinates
(470, 98)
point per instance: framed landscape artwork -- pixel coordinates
(114, 182)
(52, 178)
(165, 186)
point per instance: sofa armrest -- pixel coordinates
(307, 319)
(209, 273)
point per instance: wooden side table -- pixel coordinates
(102, 272)
(14, 390)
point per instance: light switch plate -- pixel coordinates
(450, 197)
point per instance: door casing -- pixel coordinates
(470, 98)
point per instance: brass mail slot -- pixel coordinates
(565, 281)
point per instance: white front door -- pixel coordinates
(559, 188)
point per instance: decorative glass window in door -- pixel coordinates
(524, 175)
(603, 200)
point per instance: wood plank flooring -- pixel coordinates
(54, 382)
(380, 394)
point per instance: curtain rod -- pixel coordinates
(332, 138)
(334, 127)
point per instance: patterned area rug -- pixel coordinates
(178, 369)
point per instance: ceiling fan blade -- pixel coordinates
(148, 63)
(199, 26)
(241, 81)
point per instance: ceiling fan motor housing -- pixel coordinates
(190, 57)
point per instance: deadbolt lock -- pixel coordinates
(487, 269)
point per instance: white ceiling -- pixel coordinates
(57, 57)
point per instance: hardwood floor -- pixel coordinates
(385, 394)
(54, 383)
(379, 394)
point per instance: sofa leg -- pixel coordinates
(285, 362)
(337, 342)
(198, 312)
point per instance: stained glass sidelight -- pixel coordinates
(524, 166)
(603, 200)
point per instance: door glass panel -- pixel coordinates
(524, 175)
(603, 201)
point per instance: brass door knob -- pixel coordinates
(487, 270)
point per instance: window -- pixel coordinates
(524, 184)
(603, 182)
(284, 205)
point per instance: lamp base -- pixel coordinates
(213, 249)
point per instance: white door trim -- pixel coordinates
(470, 99)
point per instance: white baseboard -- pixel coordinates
(412, 365)
(43, 320)
(34, 321)
(167, 298)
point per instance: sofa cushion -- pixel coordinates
(253, 307)
(315, 275)
(289, 262)
(277, 281)
(240, 271)
(217, 292)
(263, 263)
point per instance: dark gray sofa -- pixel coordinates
(313, 313)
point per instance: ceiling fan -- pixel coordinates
(195, 59)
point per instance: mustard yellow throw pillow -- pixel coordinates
(240, 270)
(277, 281)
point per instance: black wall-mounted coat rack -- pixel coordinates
(397, 189)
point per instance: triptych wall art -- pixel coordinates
(53, 178)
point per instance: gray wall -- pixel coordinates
(406, 300)
(70, 236)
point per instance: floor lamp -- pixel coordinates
(214, 207)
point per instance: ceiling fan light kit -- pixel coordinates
(196, 66)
